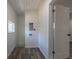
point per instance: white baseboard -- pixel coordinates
(31, 47)
(43, 53)
(8, 54)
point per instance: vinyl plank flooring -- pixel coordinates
(26, 53)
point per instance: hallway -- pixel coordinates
(39, 29)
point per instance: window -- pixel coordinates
(11, 27)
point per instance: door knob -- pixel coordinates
(68, 34)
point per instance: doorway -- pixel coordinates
(60, 26)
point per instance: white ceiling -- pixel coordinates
(18, 5)
(21, 5)
(33, 4)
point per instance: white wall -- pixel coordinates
(44, 28)
(11, 37)
(31, 41)
(21, 31)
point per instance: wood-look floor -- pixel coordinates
(28, 53)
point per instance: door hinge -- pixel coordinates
(53, 10)
(53, 52)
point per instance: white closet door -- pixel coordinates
(61, 40)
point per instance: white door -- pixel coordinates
(61, 41)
